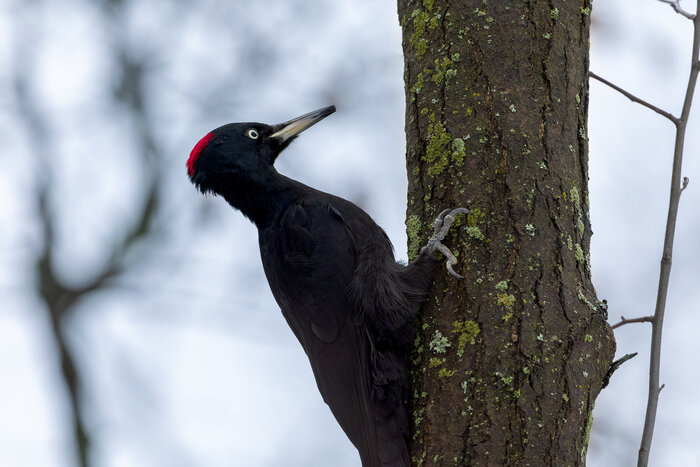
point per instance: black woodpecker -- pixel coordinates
(332, 270)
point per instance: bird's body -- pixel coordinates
(332, 271)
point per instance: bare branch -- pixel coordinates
(665, 272)
(634, 98)
(623, 321)
(55, 295)
(59, 298)
(676, 4)
(614, 366)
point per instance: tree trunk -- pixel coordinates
(508, 362)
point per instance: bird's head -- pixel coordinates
(244, 150)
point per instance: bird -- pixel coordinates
(332, 271)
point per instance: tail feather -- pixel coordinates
(391, 443)
(388, 301)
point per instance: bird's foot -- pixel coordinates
(442, 225)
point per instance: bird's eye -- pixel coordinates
(252, 133)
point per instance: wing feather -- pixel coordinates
(310, 258)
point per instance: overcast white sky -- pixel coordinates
(189, 361)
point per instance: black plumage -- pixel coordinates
(332, 270)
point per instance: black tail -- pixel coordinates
(398, 292)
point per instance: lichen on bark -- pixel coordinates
(497, 99)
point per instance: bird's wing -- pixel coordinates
(309, 258)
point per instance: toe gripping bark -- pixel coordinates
(442, 224)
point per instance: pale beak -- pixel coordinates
(284, 132)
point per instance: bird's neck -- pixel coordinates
(261, 199)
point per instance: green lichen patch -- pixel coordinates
(587, 435)
(507, 381)
(422, 20)
(440, 343)
(418, 87)
(420, 23)
(584, 299)
(475, 232)
(529, 228)
(445, 373)
(579, 254)
(575, 196)
(506, 300)
(502, 286)
(417, 420)
(413, 229)
(467, 331)
(458, 151)
(443, 70)
(436, 152)
(435, 362)
(475, 216)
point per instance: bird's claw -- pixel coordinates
(442, 225)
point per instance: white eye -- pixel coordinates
(252, 133)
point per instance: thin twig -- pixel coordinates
(676, 4)
(665, 272)
(623, 321)
(614, 366)
(636, 99)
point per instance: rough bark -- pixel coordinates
(509, 361)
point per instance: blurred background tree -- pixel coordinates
(138, 310)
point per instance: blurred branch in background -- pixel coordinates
(59, 297)
(107, 98)
(677, 187)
